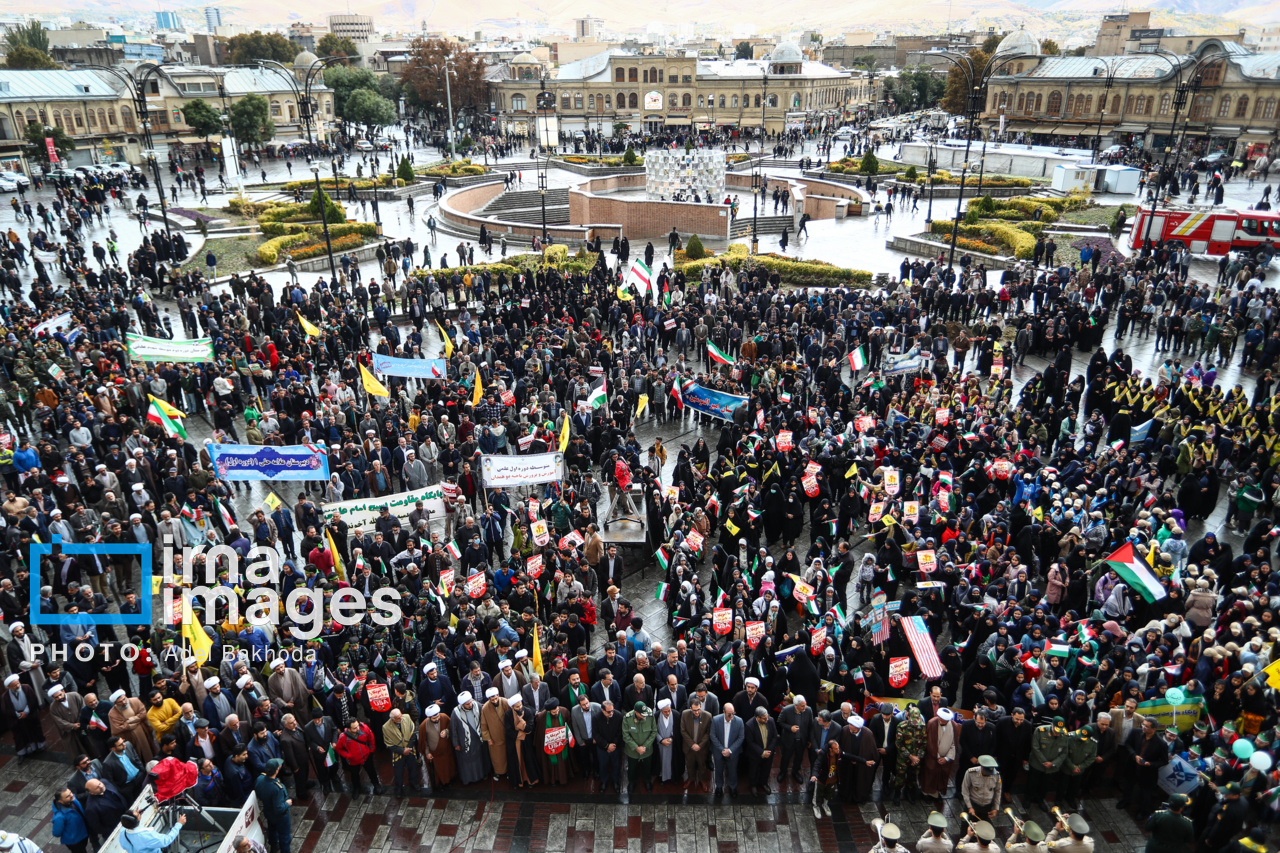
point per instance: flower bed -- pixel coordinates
(799, 273)
(456, 169)
(318, 249)
(853, 166)
(1008, 239)
(944, 178)
(293, 241)
(193, 215)
(382, 182)
(1102, 246)
(611, 162)
(583, 262)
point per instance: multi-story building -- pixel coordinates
(168, 21)
(82, 103)
(1066, 100)
(212, 18)
(650, 93)
(305, 36)
(358, 28)
(1269, 40)
(588, 28)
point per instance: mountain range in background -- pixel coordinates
(1069, 22)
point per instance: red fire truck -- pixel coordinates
(1210, 232)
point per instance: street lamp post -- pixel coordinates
(446, 68)
(545, 101)
(306, 111)
(324, 219)
(764, 103)
(757, 190)
(932, 164)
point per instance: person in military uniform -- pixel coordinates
(1226, 820)
(1171, 831)
(1027, 839)
(889, 836)
(1048, 754)
(981, 838)
(1071, 838)
(935, 839)
(981, 787)
(1255, 842)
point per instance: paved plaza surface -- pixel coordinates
(487, 817)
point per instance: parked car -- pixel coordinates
(17, 177)
(8, 185)
(845, 132)
(364, 145)
(1214, 160)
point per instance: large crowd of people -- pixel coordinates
(898, 506)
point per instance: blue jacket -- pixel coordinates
(260, 752)
(68, 823)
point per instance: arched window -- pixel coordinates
(631, 74)
(1202, 106)
(57, 119)
(757, 100)
(79, 120)
(1138, 104)
(686, 100)
(1071, 104)
(1165, 102)
(1128, 104)
(702, 102)
(1088, 104)
(735, 102)
(93, 119)
(631, 100)
(722, 102)
(1269, 111)
(564, 100)
(608, 102)
(518, 102)
(31, 116)
(1039, 101)
(673, 74)
(795, 101)
(619, 75)
(673, 100)
(1022, 99)
(622, 100)
(1055, 102)
(1242, 106)
(577, 100)
(1151, 103)
(773, 100)
(646, 76)
(1115, 104)
(102, 120)
(275, 109)
(1018, 69)
(126, 119)
(292, 110)
(1224, 107)
(591, 102)
(653, 76)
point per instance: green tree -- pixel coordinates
(343, 81)
(743, 50)
(405, 172)
(629, 157)
(694, 250)
(869, 164)
(38, 151)
(246, 49)
(423, 77)
(369, 109)
(390, 88)
(1077, 51)
(866, 60)
(320, 201)
(251, 120)
(201, 117)
(956, 98)
(332, 45)
(31, 34)
(990, 43)
(1049, 47)
(24, 58)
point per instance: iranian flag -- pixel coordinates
(718, 355)
(1136, 573)
(599, 395)
(858, 359)
(157, 415)
(640, 277)
(452, 548)
(664, 559)
(331, 757)
(661, 593)
(946, 478)
(1057, 648)
(723, 674)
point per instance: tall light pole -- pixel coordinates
(757, 189)
(545, 101)
(931, 151)
(445, 68)
(764, 103)
(324, 220)
(306, 112)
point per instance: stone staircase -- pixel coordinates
(741, 227)
(526, 206)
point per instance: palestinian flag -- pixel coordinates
(1057, 648)
(599, 394)
(718, 355)
(661, 593)
(452, 548)
(1085, 633)
(1117, 445)
(841, 618)
(1134, 571)
(664, 559)
(157, 415)
(858, 359)
(666, 292)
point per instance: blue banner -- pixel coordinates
(417, 368)
(251, 462)
(710, 402)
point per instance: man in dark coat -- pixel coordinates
(977, 738)
(293, 749)
(103, 806)
(761, 742)
(1013, 746)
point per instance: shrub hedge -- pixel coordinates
(800, 273)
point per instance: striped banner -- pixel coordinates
(922, 646)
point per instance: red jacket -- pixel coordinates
(355, 750)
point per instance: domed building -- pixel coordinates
(525, 66)
(786, 58)
(303, 62)
(1018, 43)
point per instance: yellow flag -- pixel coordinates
(197, 640)
(1273, 675)
(271, 501)
(731, 527)
(625, 295)
(333, 551)
(477, 393)
(641, 403)
(1152, 552)
(564, 436)
(448, 341)
(535, 657)
(166, 408)
(311, 330)
(371, 383)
